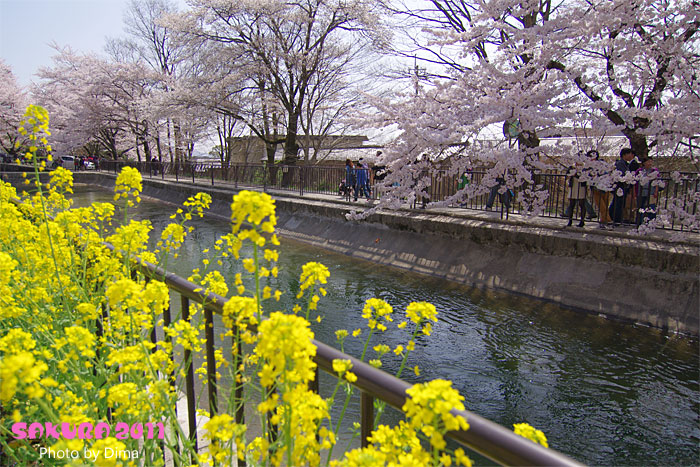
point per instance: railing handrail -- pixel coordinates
(483, 436)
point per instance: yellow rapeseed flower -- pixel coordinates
(528, 431)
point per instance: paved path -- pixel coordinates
(547, 225)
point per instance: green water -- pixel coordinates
(604, 393)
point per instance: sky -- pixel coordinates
(28, 27)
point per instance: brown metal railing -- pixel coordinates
(483, 436)
(326, 180)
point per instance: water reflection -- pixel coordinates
(604, 392)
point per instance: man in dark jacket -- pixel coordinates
(622, 165)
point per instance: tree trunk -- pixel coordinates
(291, 148)
(138, 151)
(638, 143)
(271, 149)
(147, 150)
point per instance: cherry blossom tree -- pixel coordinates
(282, 46)
(12, 104)
(153, 45)
(96, 99)
(534, 67)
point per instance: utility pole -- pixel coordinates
(418, 72)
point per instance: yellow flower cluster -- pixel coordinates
(528, 431)
(342, 367)
(253, 207)
(35, 126)
(128, 186)
(284, 344)
(421, 313)
(377, 312)
(429, 409)
(224, 434)
(313, 273)
(198, 203)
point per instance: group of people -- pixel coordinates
(357, 180)
(612, 205)
(85, 163)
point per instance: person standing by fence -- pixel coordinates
(577, 195)
(601, 197)
(622, 165)
(644, 191)
(363, 179)
(350, 178)
(504, 197)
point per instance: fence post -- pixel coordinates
(211, 359)
(301, 181)
(366, 418)
(189, 379)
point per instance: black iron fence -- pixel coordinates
(683, 191)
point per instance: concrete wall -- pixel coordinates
(645, 281)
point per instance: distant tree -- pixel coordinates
(280, 49)
(95, 99)
(151, 44)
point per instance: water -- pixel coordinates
(604, 393)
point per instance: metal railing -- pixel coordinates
(483, 436)
(327, 180)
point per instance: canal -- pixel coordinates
(604, 392)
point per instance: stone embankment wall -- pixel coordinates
(651, 282)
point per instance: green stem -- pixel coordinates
(257, 280)
(48, 231)
(381, 405)
(337, 426)
(308, 302)
(405, 355)
(364, 349)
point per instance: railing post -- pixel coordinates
(366, 418)
(211, 359)
(301, 181)
(239, 404)
(211, 169)
(192, 167)
(189, 380)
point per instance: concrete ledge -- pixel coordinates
(646, 281)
